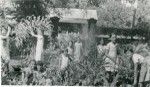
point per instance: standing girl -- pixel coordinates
(78, 50)
(70, 49)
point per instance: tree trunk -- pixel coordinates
(7, 48)
(85, 39)
(7, 54)
(55, 22)
(39, 46)
(90, 37)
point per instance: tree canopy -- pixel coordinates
(112, 13)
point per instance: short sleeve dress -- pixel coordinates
(112, 52)
(78, 51)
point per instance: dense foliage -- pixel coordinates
(90, 71)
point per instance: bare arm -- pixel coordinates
(6, 36)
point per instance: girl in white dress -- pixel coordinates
(78, 50)
(64, 61)
(70, 49)
(111, 55)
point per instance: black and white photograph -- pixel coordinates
(104, 43)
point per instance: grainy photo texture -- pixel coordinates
(75, 43)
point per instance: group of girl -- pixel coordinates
(139, 57)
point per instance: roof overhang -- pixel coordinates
(71, 15)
